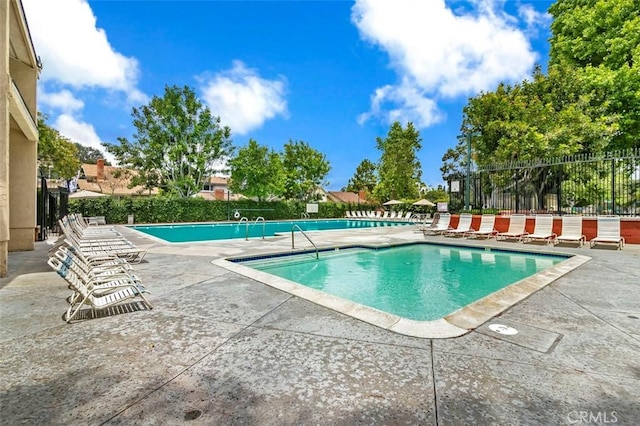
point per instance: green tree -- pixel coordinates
(595, 32)
(305, 170)
(176, 144)
(57, 154)
(257, 172)
(548, 116)
(399, 168)
(600, 39)
(364, 179)
(89, 155)
(436, 195)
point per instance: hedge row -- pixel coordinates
(168, 210)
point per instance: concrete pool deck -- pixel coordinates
(220, 348)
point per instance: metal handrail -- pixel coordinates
(259, 218)
(305, 235)
(264, 224)
(244, 219)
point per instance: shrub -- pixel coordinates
(174, 210)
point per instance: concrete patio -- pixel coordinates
(220, 348)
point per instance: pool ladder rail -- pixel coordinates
(293, 228)
(258, 219)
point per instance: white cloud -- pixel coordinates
(534, 19)
(438, 53)
(80, 132)
(64, 100)
(403, 103)
(75, 51)
(244, 100)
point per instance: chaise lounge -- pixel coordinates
(542, 231)
(608, 232)
(517, 225)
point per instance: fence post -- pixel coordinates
(613, 186)
(559, 191)
(517, 191)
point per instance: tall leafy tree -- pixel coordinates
(364, 179)
(176, 144)
(548, 116)
(58, 156)
(90, 155)
(545, 117)
(588, 102)
(257, 171)
(305, 170)
(600, 39)
(399, 168)
(595, 32)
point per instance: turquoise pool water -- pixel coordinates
(420, 281)
(182, 233)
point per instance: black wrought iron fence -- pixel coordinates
(594, 184)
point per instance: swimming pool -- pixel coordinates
(418, 289)
(181, 233)
(419, 282)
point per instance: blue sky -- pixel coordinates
(334, 74)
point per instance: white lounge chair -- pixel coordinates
(385, 215)
(517, 225)
(95, 261)
(101, 296)
(572, 230)
(439, 225)
(487, 227)
(464, 226)
(542, 231)
(608, 232)
(100, 246)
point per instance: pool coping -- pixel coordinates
(279, 234)
(455, 324)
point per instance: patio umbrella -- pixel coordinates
(392, 203)
(83, 193)
(424, 202)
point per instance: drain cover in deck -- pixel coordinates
(503, 329)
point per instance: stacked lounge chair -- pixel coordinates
(94, 262)
(98, 240)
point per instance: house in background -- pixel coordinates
(354, 198)
(19, 69)
(105, 179)
(217, 188)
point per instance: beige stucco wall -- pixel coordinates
(18, 135)
(4, 135)
(22, 191)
